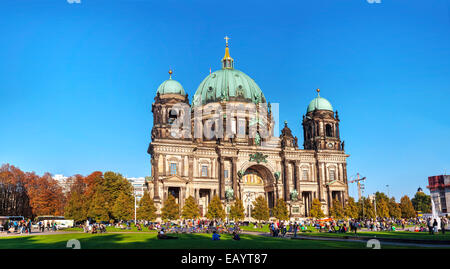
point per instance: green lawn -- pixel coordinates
(396, 234)
(185, 241)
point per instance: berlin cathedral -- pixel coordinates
(219, 149)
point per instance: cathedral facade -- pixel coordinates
(223, 144)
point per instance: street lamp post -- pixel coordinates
(135, 198)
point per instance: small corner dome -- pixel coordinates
(171, 86)
(319, 103)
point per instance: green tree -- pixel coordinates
(382, 208)
(98, 209)
(382, 202)
(407, 207)
(171, 210)
(123, 208)
(147, 208)
(422, 202)
(215, 209)
(191, 209)
(316, 209)
(366, 209)
(75, 208)
(394, 209)
(260, 209)
(337, 211)
(280, 211)
(105, 189)
(351, 208)
(237, 210)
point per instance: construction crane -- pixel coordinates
(360, 184)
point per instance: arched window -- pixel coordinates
(173, 114)
(329, 130)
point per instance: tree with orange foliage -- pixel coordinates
(46, 196)
(14, 198)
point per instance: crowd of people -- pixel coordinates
(282, 228)
(17, 226)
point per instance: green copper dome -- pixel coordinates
(171, 86)
(319, 103)
(228, 85)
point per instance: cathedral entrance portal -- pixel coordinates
(257, 181)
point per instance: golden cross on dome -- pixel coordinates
(226, 39)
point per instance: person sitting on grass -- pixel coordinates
(236, 236)
(215, 236)
(162, 235)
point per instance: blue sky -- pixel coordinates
(77, 80)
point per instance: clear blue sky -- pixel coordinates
(77, 80)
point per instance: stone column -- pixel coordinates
(329, 199)
(164, 171)
(345, 180)
(181, 196)
(155, 172)
(191, 167)
(234, 176)
(286, 181)
(221, 179)
(319, 180)
(297, 176)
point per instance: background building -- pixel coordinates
(139, 186)
(63, 181)
(440, 192)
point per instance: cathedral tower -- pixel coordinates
(321, 126)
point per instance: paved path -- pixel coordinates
(37, 233)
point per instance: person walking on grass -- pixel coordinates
(430, 226)
(434, 228)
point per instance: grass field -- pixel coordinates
(185, 241)
(396, 234)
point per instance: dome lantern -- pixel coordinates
(227, 61)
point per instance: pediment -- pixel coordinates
(336, 183)
(175, 179)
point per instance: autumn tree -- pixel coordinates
(280, 211)
(77, 204)
(46, 196)
(14, 197)
(407, 207)
(123, 208)
(237, 210)
(170, 210)
(366, 209)
(394, 209)
(215, 209)
(382, 208)
(336, 210)
(351, 208)
(147, 208)
(422, 202)
(191, 209)
(316, 209)
(260, 209)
